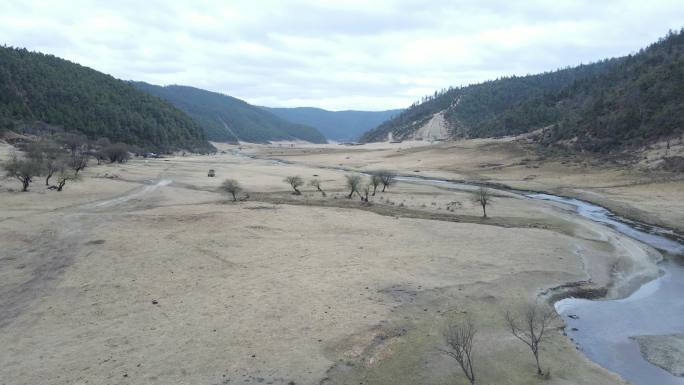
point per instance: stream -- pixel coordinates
(602, 329)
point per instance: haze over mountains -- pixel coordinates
(228, 119)
(39, 92)
(612, 104)
(336, 125)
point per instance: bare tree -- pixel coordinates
(102, 143)
(50, 155)
(459, 337)
(117, 152)
(63, 175)
(99, 156)
(73, 142)
(46, 153)
(317, 184)
(78, 162)
(54, 159)
(375, 181)
(34, 151)
(51, 165)
(232, 187)
(24, 170)
(353, 184)
(99, 153)
(295, 182)
(366, 191)
(483, 197)
(388, 178)
(530, 325)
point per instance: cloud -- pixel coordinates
(333, 54)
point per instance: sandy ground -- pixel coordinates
(143, 273)
(664, 351)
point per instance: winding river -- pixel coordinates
(602, 329)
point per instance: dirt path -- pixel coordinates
(135, 194)
(55, 245)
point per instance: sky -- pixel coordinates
(333, 54)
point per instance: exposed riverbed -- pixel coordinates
(604, 329)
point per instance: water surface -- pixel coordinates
(602, 329)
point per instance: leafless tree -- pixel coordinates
(317, 184)
(73, 142)
(366, 191)
(99, 153)
(24, 170)
(51, 165)
(117, 152)
(78, 162)
(388, 178)
(530, 325)
(63, 175)
(102, 143)
(54, 159)
(51, 156)
(483, 197)
(232, 187)
(34, 151)
(375, 181)
(459, 337)
(48, 154)
(353, 184)
(294, 182)
(99, 156)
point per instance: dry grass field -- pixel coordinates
(144, 273)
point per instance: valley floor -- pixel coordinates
(143, 273)
(638, 191)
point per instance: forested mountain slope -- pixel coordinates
(335, 125)
(228, 119)
(604, 106)
(44, 90)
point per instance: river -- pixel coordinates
(602, 328)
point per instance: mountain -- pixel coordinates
(335, 125)
(601, 107)
(228, 119)
(44, 90)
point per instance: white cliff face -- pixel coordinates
(435, 128)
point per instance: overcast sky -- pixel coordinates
(373, 55)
